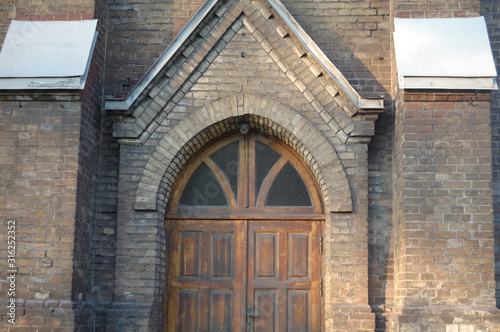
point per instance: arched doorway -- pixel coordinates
(244, 253)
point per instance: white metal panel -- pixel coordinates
(445, 48)
(460, 83)
(37, 51)
(76, 82)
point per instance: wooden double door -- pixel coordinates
(243, 275)
(240, 259)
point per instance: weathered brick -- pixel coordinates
(424, 195)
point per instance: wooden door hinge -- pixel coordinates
(321, 245)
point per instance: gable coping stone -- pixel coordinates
(204, 11)
(183, 78)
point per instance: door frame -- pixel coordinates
(246, 213)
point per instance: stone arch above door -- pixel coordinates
(222, 116)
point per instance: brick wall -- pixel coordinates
(139, 33)
(444, 231)
(104, 237)
(355, 35)
(56, 279)
(39, 170)
(101, 182)
(421, 188)
(87, 220)
(441, 8)
(491, 11)
(380, 252)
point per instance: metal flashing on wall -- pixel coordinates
(47, 55)
(444, 53)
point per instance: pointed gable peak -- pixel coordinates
(264, 8)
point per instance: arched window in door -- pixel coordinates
(246, 174)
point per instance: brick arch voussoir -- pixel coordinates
(225, 115)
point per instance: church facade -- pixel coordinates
(231, 165)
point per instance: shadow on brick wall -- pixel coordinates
(354, 35)
(356, 38)
(495, 146)
(139, 32)
(490, 9)
(495, 121)
(379, 219)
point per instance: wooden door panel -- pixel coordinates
(188, 300)
(222, 255)
(215, 274)
(266, 255)
(298, 266)
(206, 278)
(190, 250)
(298, 310)
(290, 299)
(220, 315)
(266, 307)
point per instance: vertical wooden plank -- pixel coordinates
(204, 308)
(251, 173)
(283, 285)
(243, 195)
(240, 275)
(250, 273)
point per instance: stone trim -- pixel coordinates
(305, 75)
(221, 116)
(162, 95)
(364, 104)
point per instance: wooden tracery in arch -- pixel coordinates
(246, 175)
